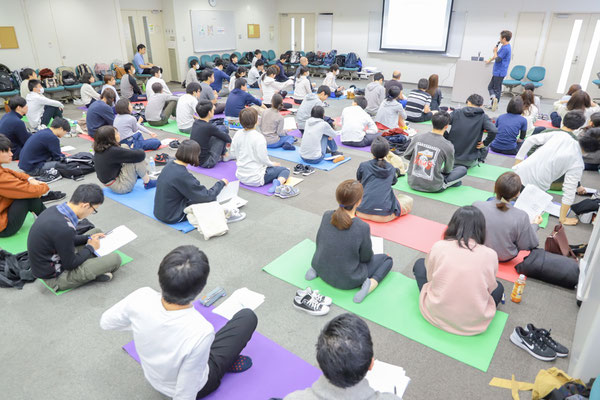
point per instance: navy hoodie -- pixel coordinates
(468, 124)
(378, 197)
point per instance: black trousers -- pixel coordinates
(49, 113)
(17, 212)
(495, 87)
(229, 342)
(420, 273)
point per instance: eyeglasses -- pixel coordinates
(95, 211)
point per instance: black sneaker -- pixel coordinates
(161, 159)
(561, 351)
(308, 170)
(298, 169)
(533, 344)
(53, 196)
(107, 277)
(310, 305)
(337, 153)
(174, 144)
(49, 176)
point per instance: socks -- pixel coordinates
(367, 287)
(310, 274)
(274, 186)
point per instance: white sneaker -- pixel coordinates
(235, 216)
(587, 218)
(315, 295)
(494, 104)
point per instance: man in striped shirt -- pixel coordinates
(417, 104)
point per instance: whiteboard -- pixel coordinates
(213, 30)
(458, 23)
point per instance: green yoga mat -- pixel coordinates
(394, 305)
(125, 259)
(171, 127)
(421, 123)
(458, 196)
(492, 172)
(18, 242)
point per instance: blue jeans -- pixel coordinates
(273, 173)
(327, 146)
(137, 142)
(367, 140)
(282, 140)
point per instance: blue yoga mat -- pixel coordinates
(142, 201)
(294, 156)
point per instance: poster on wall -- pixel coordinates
(213, 30)
(253, 31)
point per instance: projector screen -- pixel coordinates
(415, 25)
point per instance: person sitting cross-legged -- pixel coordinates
(181, 355)
(213, 139)
(42, 152)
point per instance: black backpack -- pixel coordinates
(4, 68)
(15, 270)
(310, 56)
(68, 78)
(288, 55)
(6, 82)
(295, 58)
(76, 166)
(340, 60)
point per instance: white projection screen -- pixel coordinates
(420, 25)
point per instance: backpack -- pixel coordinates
(15, 269)
(340, 60)
(46, 73)
(76, 166)
(295, 58)
(549, 267)
(318, 58)
(68, 78)
(83, 69)
(50, 83)
(351, 61)
(101, 70)
(6, 82)
(330, 57)
(119, 72)
(311, 56)
(16, 77)
(288, 55)
(4, 68)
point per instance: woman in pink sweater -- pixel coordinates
(457, 281)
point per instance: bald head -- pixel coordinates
(396, 75)
(303, 61)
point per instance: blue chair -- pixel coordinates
(225, 56)
(190, 59)
(535, 76)
(204, 60)
(272, 55)
(597, 83)
(237, 53)
(214, 57)
(143, 77)
(247, 65)
(517, 73)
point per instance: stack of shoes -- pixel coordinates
(286, 191)
(538, 343)
(49, 176)
(303, 169)
(161, 159)
(312, 302)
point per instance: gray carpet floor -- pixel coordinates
(53, 347)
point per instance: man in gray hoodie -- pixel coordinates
(375, 94)
(311, 100)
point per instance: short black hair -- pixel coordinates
(595, 119)
(440, 119)
(189, 152)
(515, 106)
(122, 106)
(283, 56)
(86, 77)
(206, 74)
(158, 88)
(26, 73)
(155, 70)
(259, 62)
(393, 92)
(32, 84)
(218, 62)
(574, 119)
(529, 86)
(257, 51)
(193, 87)
(334, 67)
(248, 118)
(303, 70)
(475, 99)
(239, 83)
(232, 57)
(317, 112)
(140, 46)
(345, 350)
(590, 140)
(423, 84)
(378, 76)
(361, 101)
(182, 274)
(380, 147)
(16, 101)
(5, 143)
(61, 123)
(204, 107)
(89, 193)
(506, 35)
(128, 66)
(467, 223)
(193, 62)
(324, 89)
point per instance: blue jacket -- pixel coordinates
(231, 68)
(15, 130)
(41, 147)
(237, 100)
(281, 76)
(219, 76)
(501, 65)
(99, 114)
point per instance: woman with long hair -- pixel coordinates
(435, 92)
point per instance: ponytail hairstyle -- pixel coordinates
(271, 71)
(507, 187)
(380, 148)
(347, 194)
(467, 223)
(393, 93)
(277, 102)
(241, 71)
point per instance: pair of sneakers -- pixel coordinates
(538, 343)
(312, 302)
(286, 191)
(303, 169)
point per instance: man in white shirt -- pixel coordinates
(40, 108)
(180, 353)
(156, 77)
(557, 163)
(358, 128)
(186, 107)
(255, 73)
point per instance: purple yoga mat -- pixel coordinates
(338, 140)
(275, 371)
(82, 108)
(227, 170)
(500, 154)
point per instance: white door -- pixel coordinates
(324, 32)
(297, 32)
(527, 39)
(589, 65)
(146, 27)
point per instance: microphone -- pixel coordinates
(497, 44)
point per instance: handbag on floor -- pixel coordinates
(15, 269)
(557, 243)
(208, 218)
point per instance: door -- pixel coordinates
(527, 39)
(324, 32)
(146, 27)
(297, 32)
(590, 62)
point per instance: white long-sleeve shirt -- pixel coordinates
(250, 150)
(88, 93)
(35, 107)
(330, 81)
(302, 88)
(254, 75)
(270, 86)
(173, 346)
(153, 80)
(186, 109)
(356, 123)
(558, 155)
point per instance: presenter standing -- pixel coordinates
(501, 60)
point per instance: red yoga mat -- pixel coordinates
(545, 124)
(506, 270)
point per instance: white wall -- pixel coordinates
(485, 20)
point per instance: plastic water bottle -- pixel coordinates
(151, 165)
(74, 127)
(517, 292)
